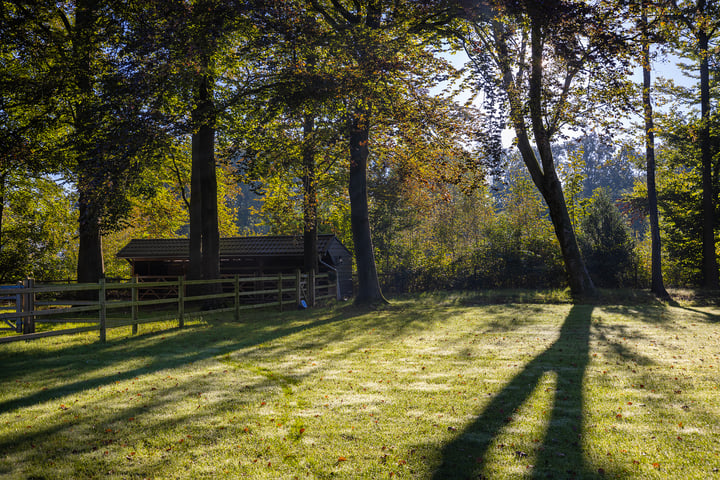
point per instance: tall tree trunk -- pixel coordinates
(90, 266)
(368, 285)
(310, 247)
(310, 239)
(710, 267)
(542, 170)
(3, 183)
(657, 285)
(548, 183)
(195, 265)
(204, 231)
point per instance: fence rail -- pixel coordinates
(117, 304)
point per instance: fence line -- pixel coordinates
(116, 304)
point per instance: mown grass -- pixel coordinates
(435, 386)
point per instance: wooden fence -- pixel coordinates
(98, 307)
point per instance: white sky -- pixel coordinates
(662, 67)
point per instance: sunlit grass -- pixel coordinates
(438, 386)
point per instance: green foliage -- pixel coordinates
(37, 233)
(607, 245)
(105, 95)
(573, 177)
(679, 201)
(163, 212)
(444, 237)
(278, 209)
(522, 242)
(591, 162)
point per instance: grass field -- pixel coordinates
(429, 387)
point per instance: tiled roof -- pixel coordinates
(231, 247)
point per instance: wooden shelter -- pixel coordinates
(247, 256)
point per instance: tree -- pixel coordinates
(695, 28)
(304, 92)
(599, 163)
(552, 65)
(607, 244)
(380, 52)
(93, 124)
(202, 60)
(37, 229)
(679, 198)
(657, 285)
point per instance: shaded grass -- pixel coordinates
(435, 386)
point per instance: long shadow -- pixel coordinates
(711, 317)
(166, 350)
(162, 354)
(560, 454)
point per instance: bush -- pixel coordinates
(607, 245)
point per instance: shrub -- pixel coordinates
(607, 245)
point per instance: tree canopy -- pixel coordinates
(166, 117)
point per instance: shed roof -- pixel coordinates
(230, 247)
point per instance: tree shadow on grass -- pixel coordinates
(709, 317)
(81, 367)
(160, 349)
(560, 455)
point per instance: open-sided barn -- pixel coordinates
(261, 255)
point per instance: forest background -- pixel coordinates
(116, 119)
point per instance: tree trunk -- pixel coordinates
(195, 252)
(710, 267)
(368, 286)
(656, 283)
(579, 280)
(3, 183)
(90, 266)
(310, 197)
(204, 232)
(543, 171)
(310, 247)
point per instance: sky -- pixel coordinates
(665, 67)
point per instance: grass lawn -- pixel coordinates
(431, 387)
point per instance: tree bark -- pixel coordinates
(310, 197)
(543, 171)
(204, 231)
(657, 285)
(369, 291)
(710, 267)
(310, 240)
(90, 267)
(3, 184)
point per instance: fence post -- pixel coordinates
(280, 290)
(181, 302)
(29, 306)
(103, 311)
(298, 289)
(311, 287)
(19, 308)
(134, 308)
(237, 297)
(338, 297)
